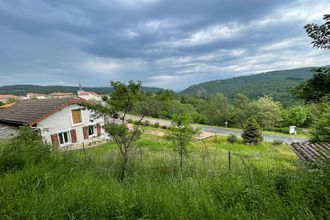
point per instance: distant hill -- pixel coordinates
(23, 89)
(274, 83)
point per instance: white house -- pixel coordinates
(89, 96)
(60, 122)
(36, 96)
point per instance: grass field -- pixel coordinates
(263, 182)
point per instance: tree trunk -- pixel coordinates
(124, 165)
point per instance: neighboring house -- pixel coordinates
(37, 96)
(91, 96)
(4, 98)
(61, 95)
(60, 122)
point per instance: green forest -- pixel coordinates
(276, 84)
(271, 115)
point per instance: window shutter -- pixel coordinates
(85, 131)
(98, 129)
(76, 116)
(73, 135)
(55, 141)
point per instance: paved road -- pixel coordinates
(227, 131)
(267, 137)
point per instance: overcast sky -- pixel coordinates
(163, 43)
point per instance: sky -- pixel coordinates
(163, 43)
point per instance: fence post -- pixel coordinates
(85, 154)
(229, 160)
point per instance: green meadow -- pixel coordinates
(259, 182)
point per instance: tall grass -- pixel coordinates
(263, 183)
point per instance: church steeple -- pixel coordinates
(80, 88)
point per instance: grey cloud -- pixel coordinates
(166, 43)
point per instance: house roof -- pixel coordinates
(32, 111)
(35, 94)
(62, 94)
(87, 93)
(6, 96)
(7, 105)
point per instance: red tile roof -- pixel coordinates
(87, 93)
(7, 105)
(7, 96)
(33, 111)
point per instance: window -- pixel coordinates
(64, 137)
(91, 130)
(76, 116)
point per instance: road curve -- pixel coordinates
(226, 131)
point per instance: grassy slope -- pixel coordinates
(274, 83)
(263, 183)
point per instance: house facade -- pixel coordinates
(36, 96)
(60, 122)
(92, 96)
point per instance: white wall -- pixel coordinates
(90, 96)
(62, 121)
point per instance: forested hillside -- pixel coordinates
(23, 89)
(274, 83)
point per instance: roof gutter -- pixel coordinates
(13, 123)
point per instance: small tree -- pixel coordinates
(266, 111)
(252, 133)
(181, 134)
(232, 138)
(122, 99)
(1, 103)
(297, 115)
(316, 88)
(321, 129)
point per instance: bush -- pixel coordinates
(252, 133)
(219, 139)
(284, 130)
(277, 142)
(321, 129)
(164, 127)
(136, 122)
(26, 149)
(232, 138)
(156, 125)
(146, 123)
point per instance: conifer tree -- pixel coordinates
(252, 132)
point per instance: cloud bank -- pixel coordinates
(164, 43)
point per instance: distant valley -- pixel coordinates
(274, 83)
